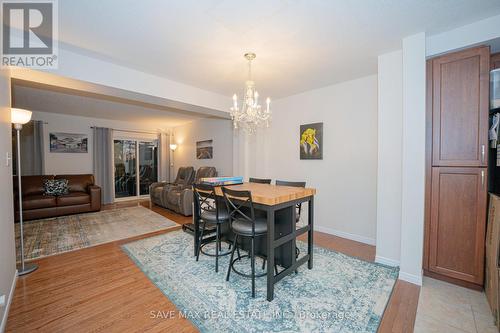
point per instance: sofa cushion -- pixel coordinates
(77, 183)
(185, 176)
(31, 184)
(173, 197)
(73, 198)
(36, 201)
(157, 193)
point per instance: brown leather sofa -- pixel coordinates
(84, 196)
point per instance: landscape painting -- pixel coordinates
(204, 150)
(68, 143)
(311, 141)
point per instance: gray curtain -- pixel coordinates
(164, 156)
(38, 148)
(32, 149)
(103, 162)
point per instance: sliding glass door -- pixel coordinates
(148, 166)
(135, 167)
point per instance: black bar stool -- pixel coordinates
(243, 225)
(210, 213)
(259, 180)
(293, 184)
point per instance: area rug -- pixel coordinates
(51, 236)
(340, 294)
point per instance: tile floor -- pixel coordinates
(446, 308)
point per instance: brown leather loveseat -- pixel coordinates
(84, 196)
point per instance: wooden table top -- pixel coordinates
(271, 195)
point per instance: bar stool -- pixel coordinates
(243, 225)
(210, 213)
(259, 180)
(293, 184)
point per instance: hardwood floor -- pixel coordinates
(99, 289)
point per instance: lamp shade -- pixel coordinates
(173, 146)
(19, 116)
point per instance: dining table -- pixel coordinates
(279, 205)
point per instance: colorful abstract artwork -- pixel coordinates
(311, 141)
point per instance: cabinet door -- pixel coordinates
(458, 223)
(460, 108)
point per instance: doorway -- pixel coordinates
(135, 167)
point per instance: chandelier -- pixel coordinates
(251, 115)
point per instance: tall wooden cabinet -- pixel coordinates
(495, 61)
(456, 187)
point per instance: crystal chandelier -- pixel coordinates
(251, 115)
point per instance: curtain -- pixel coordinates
(164, 156)
(103, 162)
(32, 149)
(38, 148)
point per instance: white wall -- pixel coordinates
(218, 130)
(62, 163)
(346, 178)
(389, 182)
(463, 37)
(7, 245)
(413, 161)
(401, 164)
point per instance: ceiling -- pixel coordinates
(47, 100)
(300, 44)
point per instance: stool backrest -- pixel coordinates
(236, 201)
(259, 180)
(287, 183)
(205, 199)
(294, 184)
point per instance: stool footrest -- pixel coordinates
(221, 254)
(243, 274)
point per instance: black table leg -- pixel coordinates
(270, 254)
(196, 221)
(294, 240)
(310, 219)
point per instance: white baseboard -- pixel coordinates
(415, 279)
(357, 238)
(7, 304)
(386, 261)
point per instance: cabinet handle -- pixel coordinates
(482, 177)
(482, 153)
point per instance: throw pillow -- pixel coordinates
(55, 187)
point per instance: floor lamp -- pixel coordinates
(19, 117)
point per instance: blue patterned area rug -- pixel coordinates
(340, 294)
